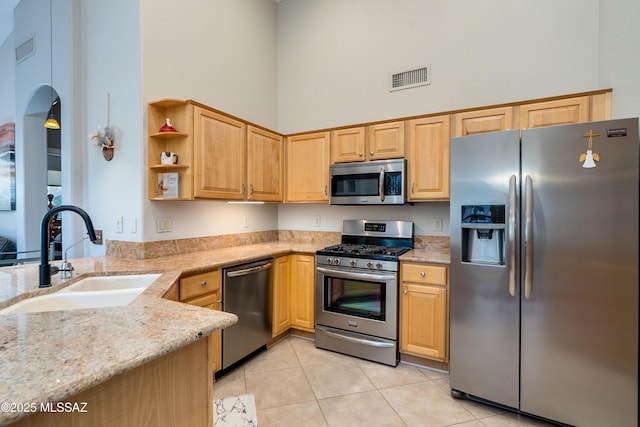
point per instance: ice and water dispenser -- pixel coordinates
(483, 234)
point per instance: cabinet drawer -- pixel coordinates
(423, 273)
(200, 284)
(207, 301)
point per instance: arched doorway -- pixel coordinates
(33, 156)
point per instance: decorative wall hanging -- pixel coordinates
(7, 167)
(589, 158)
(104, 139)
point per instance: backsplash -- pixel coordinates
(155, 249)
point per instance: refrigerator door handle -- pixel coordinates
(528, 238)
(512, 235)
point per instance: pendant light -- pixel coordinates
(51, 122)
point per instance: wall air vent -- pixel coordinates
(412, 78)
(26, 49)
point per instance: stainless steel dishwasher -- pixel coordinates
(245, 293)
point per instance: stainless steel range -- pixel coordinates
(357, 290)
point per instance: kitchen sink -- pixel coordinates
(91, 292)
(109, 283)
(73, 300)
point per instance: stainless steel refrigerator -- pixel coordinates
(544, 271)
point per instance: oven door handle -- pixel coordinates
(356, 276)
(359, 340)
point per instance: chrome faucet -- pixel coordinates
(45, 267)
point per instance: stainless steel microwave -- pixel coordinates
(380, 182)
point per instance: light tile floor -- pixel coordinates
(296, 384)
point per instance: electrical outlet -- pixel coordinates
(437, 224)
(245, 221)
(316, 221)
(98, 237)
(164, 225)
(119, 224)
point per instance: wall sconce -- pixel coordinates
(104, 139)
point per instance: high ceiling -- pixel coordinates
(6, 18)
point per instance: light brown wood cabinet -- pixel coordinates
(281, 299)
(307, 165)
(205, 290)
(428, 160)
(374, 142)
(265, 165)
(348, 145)
(558, 112)
(385, 141)
(423, 310)
(302, 278)
(181, 142)
(485, 120)
(219, 156)
(566, 111)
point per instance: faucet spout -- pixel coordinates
(45, 267)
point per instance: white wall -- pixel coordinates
(619, 61)
(112, 66)
(221, 53)
(335, 56)
(423, 215)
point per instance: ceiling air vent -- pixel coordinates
(412, 78)
(26, 49)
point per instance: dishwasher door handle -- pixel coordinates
(246, 271)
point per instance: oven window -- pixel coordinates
(355, 297)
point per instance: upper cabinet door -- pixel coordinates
(347, 145)
(385, 141)
(265, 165)
(558, 112)
(482, 121)
(308, 167)
(428, 161)
(219, 156)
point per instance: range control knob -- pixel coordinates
(378, 266)
(353, 263)
(370, 264)
(336, 261)
(328, 261)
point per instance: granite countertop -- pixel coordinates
(51, 356)
(428, 255)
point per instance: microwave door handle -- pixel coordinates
(381, 184)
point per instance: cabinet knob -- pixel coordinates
(404, 292)
(422, 274)
(371, 153)
(203, 283)
(360, 154)
(325, 190)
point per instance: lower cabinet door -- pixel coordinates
(423, 321)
